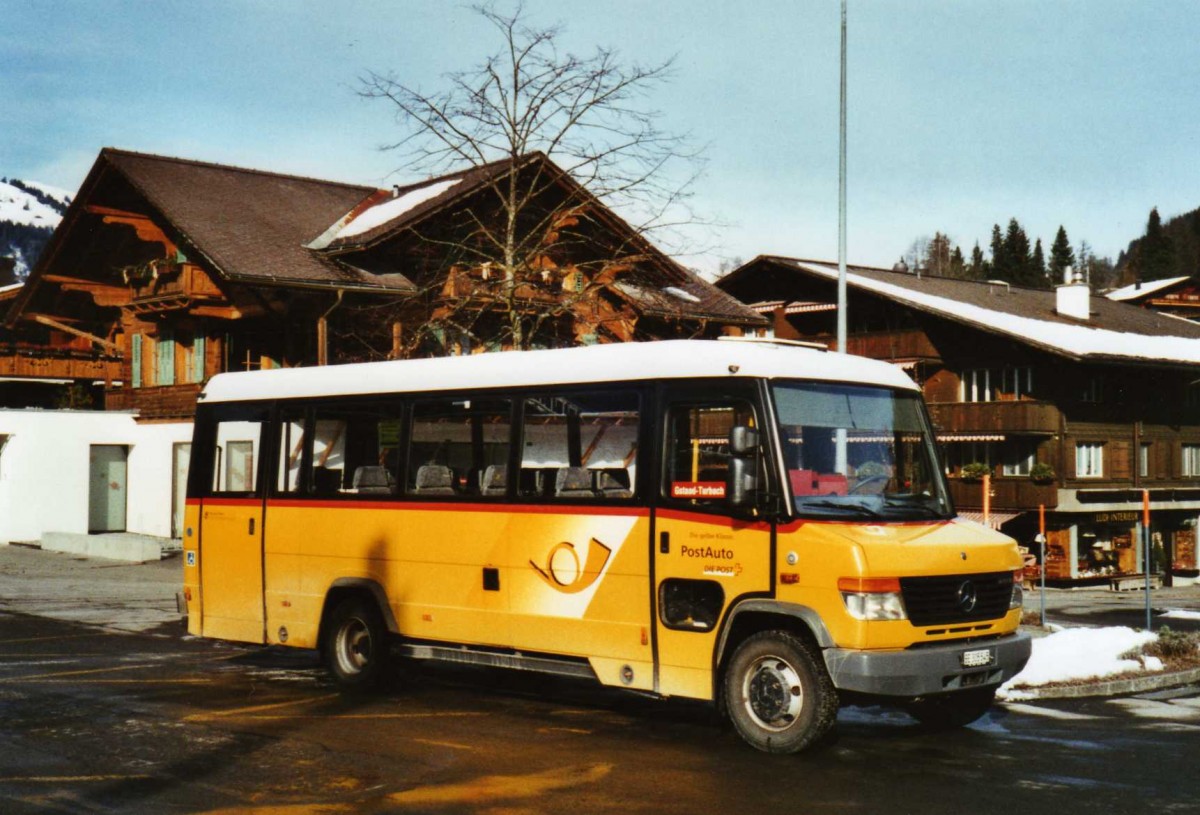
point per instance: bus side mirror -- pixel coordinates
(742, 487)
(743, 441)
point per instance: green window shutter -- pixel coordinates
(198, 358)
(166, 357)
(135, 360)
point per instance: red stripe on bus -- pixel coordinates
(455, 506)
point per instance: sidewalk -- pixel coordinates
(106, 593)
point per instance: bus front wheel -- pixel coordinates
(356, 646)
(778, 694)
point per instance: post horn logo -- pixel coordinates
(564, 572)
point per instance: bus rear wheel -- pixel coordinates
(356, 644)
(778, 694)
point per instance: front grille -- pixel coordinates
(943, 600)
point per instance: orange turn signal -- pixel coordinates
(869, 585)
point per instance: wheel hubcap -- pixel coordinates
(772, 692)
(354, 646)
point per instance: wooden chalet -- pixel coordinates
(1177, 296)
(1069, 402)
(166, 271)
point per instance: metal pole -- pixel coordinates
(1042, 538)
(1146, 564)
(841, 286)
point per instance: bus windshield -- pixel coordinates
(859, 451)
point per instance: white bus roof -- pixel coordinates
(615, 362)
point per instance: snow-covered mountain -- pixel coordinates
(29, 212)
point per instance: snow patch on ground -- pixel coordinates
(1080, 653)
(1182, 614)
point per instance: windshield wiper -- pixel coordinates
(909, 505)
(825, 503)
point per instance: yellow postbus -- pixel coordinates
(752, 523)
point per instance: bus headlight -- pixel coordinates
(872, 598)
(1018, 594)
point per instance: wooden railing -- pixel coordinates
(65, 365)
(1007, 493)
(995, 417)
(167, 402)
(911, 344)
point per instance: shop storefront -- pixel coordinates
(1093, 548)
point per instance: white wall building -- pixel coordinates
(89, 471)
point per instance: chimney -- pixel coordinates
(1073, 298)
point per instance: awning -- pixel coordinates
(970, 437)
(995, 520)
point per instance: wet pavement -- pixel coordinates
(118, 711)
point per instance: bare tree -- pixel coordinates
(541, 245)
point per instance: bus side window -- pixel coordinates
(236, 456)
(354, 451)
(459, 447)
(580, 446)
(291, 449)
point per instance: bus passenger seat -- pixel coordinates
(435, 479)
(574, 482)
(613, 483)
(326, 480)
(495, 480)
(373, 480)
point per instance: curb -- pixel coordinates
(1114, 687)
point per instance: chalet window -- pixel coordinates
(1191, 460)
(1093, 390)
(135, 360)
(961, 453)
(1019, 456)
(1144, 459)
(1017, 382)
(164, 370)
(975, 385)
(1089, 459)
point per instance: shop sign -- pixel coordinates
(1116, 517)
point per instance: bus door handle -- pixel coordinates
(251, 532)
(664, 542)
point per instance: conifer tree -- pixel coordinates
(1061, 256)
(1037, 273)
(979, 268)
(1000, 265)
(1157, 253)
(1018, 259)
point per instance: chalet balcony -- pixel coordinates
(910, 344)
(998, 418)
(176, 402)
(1018, 493)
(39, 362)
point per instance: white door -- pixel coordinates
(107, 487)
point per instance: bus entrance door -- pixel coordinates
(705, 558)
(231, 535)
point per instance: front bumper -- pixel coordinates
(929, 670)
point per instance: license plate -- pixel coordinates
(976, 659)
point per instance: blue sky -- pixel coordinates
(961, 114)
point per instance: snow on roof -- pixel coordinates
(617, 362)
(1078, 340)
(1136, 290)
(392, 208)
(10, 287)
